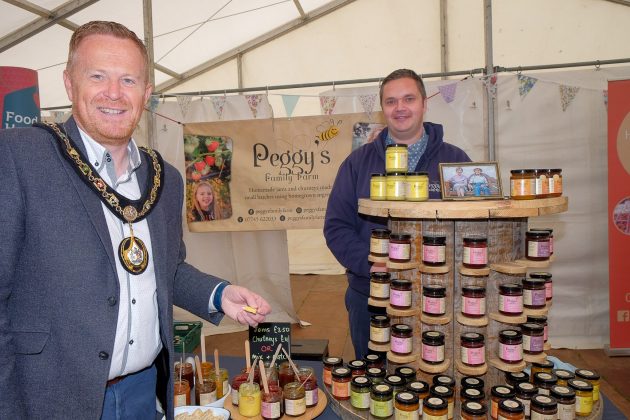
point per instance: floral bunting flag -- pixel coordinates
(254, 101)
(567, 94)
(184, 104)
(327, 104)
(490, 83)
(154, 101)
(367, 102)
(218, 102)
(289, 102)
(448, 92)
(525, 84)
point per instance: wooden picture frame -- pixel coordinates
(470, 181)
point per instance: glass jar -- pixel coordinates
(399, 247)
(498, 394)
(308, 380)
(330, 363)
(360, 393)
(271, 372)
(566, 401)
(435, 408)
(421, 389)
(222, 382)
(381, 401)
(357, 367)
(540, 320)
(396, 158)
(592, 378)
(182, 393)
(544, 407)
(402, 339)
(185, 371)
(473, 301)
(285, 374)
(406, 406)
(583, 396)
(249, 399)
(533, 338)
(433, 347)
(510, 299)
(395, 382)
(400, 294)
(511, 346)
(206, 370)
(534, 293)
(541, 366)
(511, 409)
(341, 378)
(524, 393)
(236, 384)
(473, 410)
(548, 282)
(550, 232)
(522, 184)
(515, 378)
(294, 396)
(472, 394)
(448, 395)
(271, 403)
(376, 375)
(417, 186)
(379, 329)
(475, 253)
(378, 187)
(374, 360)
(544, 381)
(406, 373)
(537, 245)
(563, 376)
(444, 380)
(433, 300)
(379, 242)
(395, 186)
(541, 183)
(433, 250)
(205, 392)
(379, 285)
(555, 182)
(473, 349)
(472, 382)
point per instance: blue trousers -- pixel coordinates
(359, 314)
(132, 398)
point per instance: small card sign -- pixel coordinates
(265, 338)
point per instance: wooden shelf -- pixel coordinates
(381, 348)
(471, 322)
(509, 268)
(547, 346)
(431, 368)
(438, 269)
(534, 358)
(402, 359)
(435, 320)
(474, 272)
(543, 311)
(534, 264)
(403, 312)
(507, 367)
(372, 258)
(402, 266)
(378, 303)
(470, 370)
(506, 319)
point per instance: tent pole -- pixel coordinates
(147, 7)
(444, 35)
(489, 96)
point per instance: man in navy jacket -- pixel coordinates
(403, 100)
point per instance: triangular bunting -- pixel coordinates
(327, 104)
(218, 102)
(289, 102)
(567, 94)
(490, 83)
(525, 84)
(184, 104)
(253, 101)
(367, 102)
(448, 92)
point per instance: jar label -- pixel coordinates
(538, 249)
(494, 408)
(378, 190)
(295, 407)
(400, 297)
(473, 306)
(542, 185)
(555, 184)
(234, 395)
(595, 391)
(432, 353)
(207, 398)
(534, 297)
(340, 389)
(475, 256)
(406, 415)
(451, 408)
(311, 397)
(395, 188)
(584, 405)
(539, 416)
(566, 411)
(534, 343)
(426, 416)
(381, 408)
(473, 356)
(522, 187)
(401, 345)
(399, 251)
(180, 400)
(548, 290)
(434, 253)
(226, 386)
(396, 160)
(379, 334)
(417, 190)
(379, 290)
(270, 410)
(511, 304)
(551, 245)
(526, 404)
(360, 399)
(433, 305)
(379, 246)
(511, 352)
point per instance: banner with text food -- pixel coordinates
(270, 174)
(619, 212)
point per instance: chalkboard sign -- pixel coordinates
(265, 338)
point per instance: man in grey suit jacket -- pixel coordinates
(92, 258)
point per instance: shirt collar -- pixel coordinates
(423, 138)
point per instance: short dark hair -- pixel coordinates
(402, 74)
(99, 27)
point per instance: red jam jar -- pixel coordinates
(373, 360)
(330, 363)
(357, 367)
(341, 378)
(534, 293)
(473, 349)
(433, 347)
(433, 300)
(548, 282)
(400, 294)
(309, 381)
(475, 253)
(434, 250)
(473, 301)
(537, 245)
(510, 299)
(271, 403)
(399, 247)
(511, 346)
(402, 339)
(285, 374)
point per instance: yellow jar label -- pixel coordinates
(360, 400)
(381, 408)
(379, 246)
(584, 405)
(417, 188)
(378, 189)
(406, 415)
(379, 290)
(396, 160)
(395, 188)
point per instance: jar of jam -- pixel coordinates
(563, 376)
(473, 349)
(420, 388)
(285, 374)
(205, 392)
(555, 182)
(378, 187)
(473, 301)
(592, 378)
(374, 360)
(474, 410)
(544, 381)
(379, 329)
(511, 409)
(406, 406)
(400, 247)
(379, 285)
(360, 392)
(185, 371)
(309, 381)
(406, 373)
(435, 408)
(249, 399)
(475, 253)
(379, 242)
(376, 375)
(515, 378)
(511, 346)
(395, 382)
(206, 370)
(271, 403)
(447, 394)
(472, 394)
(566, 401)
(472, 382)
(524, 393)
(540, 320)
(498, 394)
(221, 382)
(548, 282)
(417, 186)
(522, 184)
(330, 363)
(433, 347)
(544, 407)
(395, 186)
(542, 366)
(381, 401)
(444, 380)
(511, 299)
(236, 384)
(550, 232)
(583, 396)
(533, 339)
(341, 378)
(400, 294)
(357, 367)
(534, 293)
(541, 183)
(434, 250)
(537, 245)
(396, 158)
(433, 300)
(182, 393)
(295, 398)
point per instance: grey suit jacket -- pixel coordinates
(59, 291)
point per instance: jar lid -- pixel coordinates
(375, 372)
(472, 394)
(419, 387)
(433, 240)
(580, 385)
(473, 289)
(394, 380)
(379, 319)
(433, 335)
(516, 377)
(341, 372)
(555, 170)
(511, 406)
(396, 145)
(435, 403)
(357, 364)
(402, 328)
(361, 382)
(537, 319)
(434, 289)
(502, 391)
(418, 173)
(586, 374)
(526, 388)
(406, 372)
(510, 334)
(545, 378)
(549, 230)
(476, 239)
(559, 392)
(544, 364)
(379, 231)
(333, 361)
(474, 408)
(522, 171)
(382, 389)
(444, 380)
(537, 234)
(471, 382)
(544, 401)
(472, 337)
(407, 398)
(540, 275)
(373, 357)
(378, 174)
(541, 171)
(401, 283)
(393, 174)
(510, 288)
(399, 237)
(539, 283)
(563, 374)
(441, 391)
(532, 328)
(380, 275)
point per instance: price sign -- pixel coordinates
(265, 338)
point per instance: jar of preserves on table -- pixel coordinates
(271, 403)
(378, 187)
(294, 396)
(583, 396)
(381, 401)
(433, 347)
(330, 363)
(249, 399)
(360, 393)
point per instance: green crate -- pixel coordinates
(187, 336)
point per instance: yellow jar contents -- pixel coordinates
(378, 187)
(590, 377)
(417, 186)
(222, 381)
(249, 399)
(583, 396)
(406, 406)
(396, 158)
(396, 186)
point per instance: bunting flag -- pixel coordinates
(448, 92)
(567, 94)
(289, 102)
(367, 102)
(154, 101)
(254, 101)
(218, 102)
(327, 104)
(605, 93)
(184, 104)
(525, 84)
(490, 83)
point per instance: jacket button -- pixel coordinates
(103, 355)
(112, 300)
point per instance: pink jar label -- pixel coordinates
(432, 353)
(533, 343)
(433, 305)
(434, 253)
(473, 306)
(538, 249)
(399, 251)
(548, 290)
(511, 352)
(311, 397)
(401, 345)
(270, 410)
(511, 304)
(475, 256)
(400, 297)
(534, 297)
(473, 356)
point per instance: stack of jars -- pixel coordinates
(528, 184)
(186, 385)
(397, 184)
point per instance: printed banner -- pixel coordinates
(19, 97)
(266, 174)
(619, 212)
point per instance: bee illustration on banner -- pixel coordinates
(327, 131)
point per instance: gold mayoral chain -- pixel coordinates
(132, 252)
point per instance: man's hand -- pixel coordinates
(235, 298)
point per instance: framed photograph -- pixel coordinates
(470, 181)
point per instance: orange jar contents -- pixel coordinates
(522, 184)
(406, 406)
(435, 408)
(185, 371)
(448, 395)
(341, 378)
(555, 182)
(330, 363)
(498, 394)
(511, 409)
(541, 183)
(563, 376)
(182, 393)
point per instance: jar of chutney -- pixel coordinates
(381, 401)
(433, 300)
(400, 294)
(475, 253)
(433, 250)
(399, 247)
(473, 301)
(433, 347)
(360, 393)
(511, 346)
(379, 242)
